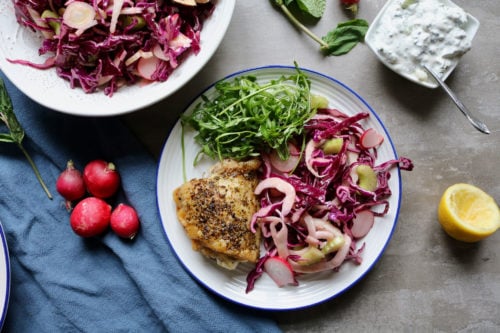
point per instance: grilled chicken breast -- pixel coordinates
(216, 212)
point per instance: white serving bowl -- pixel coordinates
(414, 71)
(48, 89)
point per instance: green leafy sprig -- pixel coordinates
(245, 118)
(336, 42)
(16, 132)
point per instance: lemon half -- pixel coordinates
(467, 213)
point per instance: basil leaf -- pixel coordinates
(345, 37)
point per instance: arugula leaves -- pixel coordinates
(245, 117)
(336, 42)
(16, 132)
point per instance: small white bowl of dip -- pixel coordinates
(409, 33)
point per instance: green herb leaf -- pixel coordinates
(245, 118)
(338, 41)
(345, 37)
(8, 117)
(4, 137)
(315, 8)
(16, 132)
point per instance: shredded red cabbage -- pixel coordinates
(107, 53)
(318, 233)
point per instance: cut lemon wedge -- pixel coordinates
(467, 213)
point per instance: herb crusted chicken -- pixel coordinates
(216, 212)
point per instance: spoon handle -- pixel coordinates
(478, 124)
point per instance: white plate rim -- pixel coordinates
(165, 215)
(75, 101)
(4, 287)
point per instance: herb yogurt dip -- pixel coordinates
(416, 32)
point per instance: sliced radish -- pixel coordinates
(371, 138)
(287, 165)
(362, 223)
(280, 271)
(282, 186)
(146, 67)
(159, 53)
(79, 15)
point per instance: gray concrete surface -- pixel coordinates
(425, 281)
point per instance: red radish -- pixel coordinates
(101, 178)
(70, 183)
(90, 217)
(351, 5)
(362, 223)
(371, 138)
(280, 271)
(124, 221)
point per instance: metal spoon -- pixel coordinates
(478, 124)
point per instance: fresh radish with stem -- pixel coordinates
(101, 178)
(125, 221)
(280, 271)
(90, 217)
(70, 184)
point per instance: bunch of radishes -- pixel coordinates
(92, 214)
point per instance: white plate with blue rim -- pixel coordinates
(4, 276)
(231, 285)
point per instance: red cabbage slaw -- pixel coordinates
(315, 209)
(121, 42)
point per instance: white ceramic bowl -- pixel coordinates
(374, 35)
(48, 89)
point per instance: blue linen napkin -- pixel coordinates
(63, 283)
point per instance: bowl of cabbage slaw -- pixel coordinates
(53, 81)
